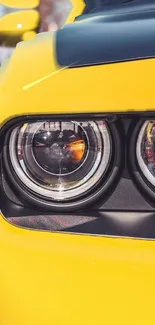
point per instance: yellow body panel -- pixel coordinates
(20, 3)
(49, 278)
(48, 88)
(27, 19)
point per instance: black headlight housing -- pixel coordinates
(59, 164)
(120, 199)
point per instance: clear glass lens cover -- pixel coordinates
(146, 150)
(60, 160)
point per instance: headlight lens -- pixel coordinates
(60, 160)
(146, 150)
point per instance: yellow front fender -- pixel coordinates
(48, 278)
(51, 278)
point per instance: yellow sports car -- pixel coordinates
(77, 166)
(18, 18)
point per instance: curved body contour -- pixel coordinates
(53, 278)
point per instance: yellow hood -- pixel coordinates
(33, 82)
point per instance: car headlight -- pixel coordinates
(60, 165)
(145, 150)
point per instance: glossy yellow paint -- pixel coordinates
(27, 19)
(33, 82)
(20, 3)
(77, 9)
(49, 278)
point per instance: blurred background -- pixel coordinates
(22, 19)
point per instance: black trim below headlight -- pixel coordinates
(62, 165)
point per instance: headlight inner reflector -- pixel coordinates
(60, 160)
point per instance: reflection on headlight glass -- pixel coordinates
(60, 160)
(146, 150)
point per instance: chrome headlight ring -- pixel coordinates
(62, 166)
(141, 156)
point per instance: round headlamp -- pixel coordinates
(60, 164)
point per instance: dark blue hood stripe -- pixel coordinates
(110, 38)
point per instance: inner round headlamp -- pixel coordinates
(146, 150)
(60, 160)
